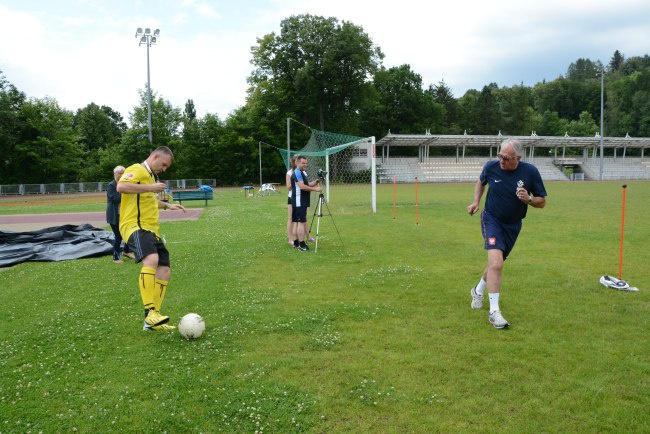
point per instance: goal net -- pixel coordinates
(348, 163)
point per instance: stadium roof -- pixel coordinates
(527, 141)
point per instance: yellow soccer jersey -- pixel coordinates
(138, 211)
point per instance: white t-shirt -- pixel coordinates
(289, 173)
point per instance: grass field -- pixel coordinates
(375, 335)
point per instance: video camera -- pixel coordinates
(321, 174)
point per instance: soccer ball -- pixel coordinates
(191, 326)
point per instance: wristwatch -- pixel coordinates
(530, 198)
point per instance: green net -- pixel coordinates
(321, 144)
(331, 152)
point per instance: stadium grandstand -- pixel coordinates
(460, 158)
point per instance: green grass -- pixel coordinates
(375, 335)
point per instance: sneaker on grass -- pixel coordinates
(477, 299)
(497, 320)
(155, 318)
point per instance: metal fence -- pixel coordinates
(91, 187)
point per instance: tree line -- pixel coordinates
(327, 74)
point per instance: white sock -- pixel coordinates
(494, 301)
(480, 287)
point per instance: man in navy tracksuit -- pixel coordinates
(300, 192)
(514, 186)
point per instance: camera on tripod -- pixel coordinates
(321, 174)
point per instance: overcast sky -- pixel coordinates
(83, 51)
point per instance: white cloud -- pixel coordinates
(207, 11)
(203, 8)
(80, 55)
(179, 19)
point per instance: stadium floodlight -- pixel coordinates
(149, 40)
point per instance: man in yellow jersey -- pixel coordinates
(139, 186)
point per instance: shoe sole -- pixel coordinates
(148, 328)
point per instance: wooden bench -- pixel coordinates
(180, 196)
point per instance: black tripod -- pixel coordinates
(318, 212)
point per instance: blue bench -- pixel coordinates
(248, 190)
(180, 196)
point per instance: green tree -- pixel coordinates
(189, 114)
(11, 127)
(517, 110)
(488, 112)
(568, 97)
(443, 95)
(402, 105)
(166, 122)
(583, 69)
(584, 126)
(641, 110)
(617, 61)
(198, 155)
(98, 128)
(188, 156)
(236, 151)
(48, 151)
(549, 124)
(317, 68)
(635, 64)
(468, 105)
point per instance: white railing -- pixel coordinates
(90, 187)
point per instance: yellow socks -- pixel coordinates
(159, 293)
(147, 282)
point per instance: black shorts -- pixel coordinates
(299, 214)
(288, 201)
(144, 243)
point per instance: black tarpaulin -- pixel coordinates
(58, 243)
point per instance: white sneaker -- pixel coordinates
(477, 299)
(497, 320)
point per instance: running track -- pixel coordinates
(30, 222)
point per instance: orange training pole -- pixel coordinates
(394, 197)
(620, 250)
(417, 215)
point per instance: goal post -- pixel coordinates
(349, 163)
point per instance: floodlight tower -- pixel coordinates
(149, 39)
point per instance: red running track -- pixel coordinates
(28, 222)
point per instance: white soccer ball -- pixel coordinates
(191, 326)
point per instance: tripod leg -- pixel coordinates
(319, 209)
(312, 218)
(332, 217)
